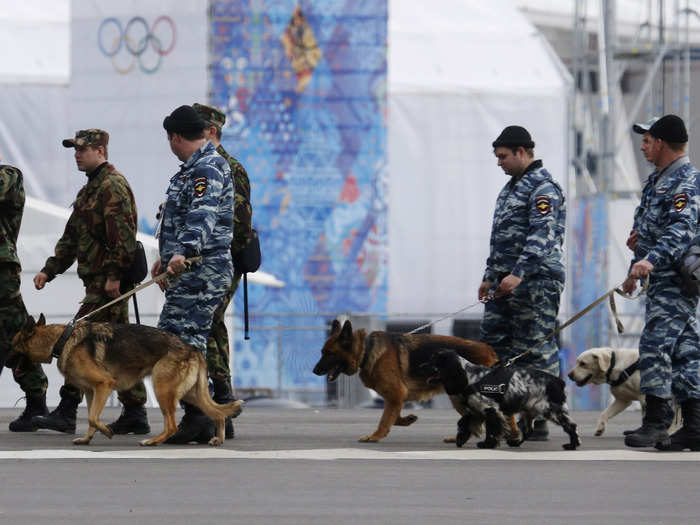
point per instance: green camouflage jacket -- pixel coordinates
(242, 211)
(101, 231)
(11, 208)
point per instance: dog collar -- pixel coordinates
(368, 350)
(67, 332)
(624, 375)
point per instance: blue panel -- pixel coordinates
(303, 84)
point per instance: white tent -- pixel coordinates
(459, 72)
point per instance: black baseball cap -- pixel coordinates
(514, 136)
(669, 128)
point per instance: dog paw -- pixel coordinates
(461, 439)
(570, 446)
(407, 420)
(487, 444)
(368, 439)
(599, 432)
(215, 442)
(516, 442)
(449, 439)
(147, 443)
(81, 441)
(109, 433)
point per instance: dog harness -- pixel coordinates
(368, 350)
(624, 375)
(494, 384)
(67, 332)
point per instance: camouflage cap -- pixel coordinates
(212, 115)
(87, 137)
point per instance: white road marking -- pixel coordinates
(354, 453)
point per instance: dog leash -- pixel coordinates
(68, 331)
(610, 294)
(453, 314)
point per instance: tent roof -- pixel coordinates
(43, 223)
(467, 45)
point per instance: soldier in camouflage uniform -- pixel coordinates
(29, 376)
(218, 356)
(665, 224)
(101, 236)
(196, 220)
(524, 268)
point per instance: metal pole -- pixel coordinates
(676, 57)
(686, 76)
(279, 361)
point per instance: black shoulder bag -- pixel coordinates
(689, 269)
(245, 260)
(136, 273)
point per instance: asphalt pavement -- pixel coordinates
(306, 466)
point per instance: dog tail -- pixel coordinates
(556, 391)
(210, 407)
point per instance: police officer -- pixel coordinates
(101, 236)
(29, 376)
(196, 220)
(524, 269)
(218, 355)
(665, 223)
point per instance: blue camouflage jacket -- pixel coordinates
(667, 216)
(197, 218)
(528, 228)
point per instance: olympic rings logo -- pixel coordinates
(135, 40)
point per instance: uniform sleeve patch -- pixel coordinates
(680, 201)
(543, 205)
(200, 186)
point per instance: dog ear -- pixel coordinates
(41, 321)
(335, 327)
(346, 332)
(603, 360)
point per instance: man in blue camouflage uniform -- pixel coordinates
(665, 224)
(196, 220)
(524, 269)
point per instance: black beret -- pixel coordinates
(514, 136)
(670, 128)
(183, 120)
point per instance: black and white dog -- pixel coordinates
(485, 396)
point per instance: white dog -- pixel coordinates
(619, 367)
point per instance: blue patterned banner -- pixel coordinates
(304, 87)
(588, 280)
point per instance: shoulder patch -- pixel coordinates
(543, 205)
(680, 201)
(200, 186)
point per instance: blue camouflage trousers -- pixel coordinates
(514, 323)
(669, 349)
(191, 300)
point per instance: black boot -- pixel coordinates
(689, 434)
(540, 432)
(36, 406)
(195, 425)
(668, 415)
(653, 429)
(62, 419)
(133, 420)
(223, 393)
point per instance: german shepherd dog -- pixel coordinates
(391, 364)
(101, 357)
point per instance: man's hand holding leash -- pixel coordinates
(639, 269)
